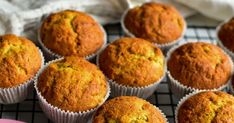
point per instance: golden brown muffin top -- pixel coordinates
(71, 33)
(73, 84)
(226, 34)
(200, 65)
(158, 23)
(128, 109)
(20, 60)
(132, 62)
(207, 107)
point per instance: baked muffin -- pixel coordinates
(132, 62)
(200, 65)
(20, 60)
(226, 34)
(71, 33)
(72, 84)
(207, 107)
(128, 109)
(156, 22)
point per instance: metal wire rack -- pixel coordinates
(29, 110)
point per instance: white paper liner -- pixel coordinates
(61, 116)
(220, 42)
(184, 99)
(156, 108)
(20, 92)
(164, 47)
(50, 55)
(123, 90)
(178, 89)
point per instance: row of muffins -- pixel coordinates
(218, 105)
(196, 107)
(143, 57)
(54, 25)
(71, 32)
(117, 70)
(118, 52)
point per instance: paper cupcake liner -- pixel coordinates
(164, 116)
(123, 90)
(58, 115)
(164, 47)
(20, 92)
(156, 108)
(50, 55)
(184, 99)
(179, 90)
(220, 42)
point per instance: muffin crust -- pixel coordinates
(158, 23)
(207, 107)
(19, 60)
(71, 33)
(73, 84)
(226, 34)
(200, 65)
(127, 109)
(132, 62)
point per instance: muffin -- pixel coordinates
(156, 22)
(72, 84)
(132, 62)
(20, 60)
(71, 33)
(206, 107)
(200, 65)
(127, 109)
(226, 34)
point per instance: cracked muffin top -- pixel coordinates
(128, 109)
(20, 60)
(207, 107)
(72, 84)
(226, 34)
(71, 33)
(132, 62)
(200, 65)
(158, 23)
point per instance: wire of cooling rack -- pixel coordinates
(29, 110)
